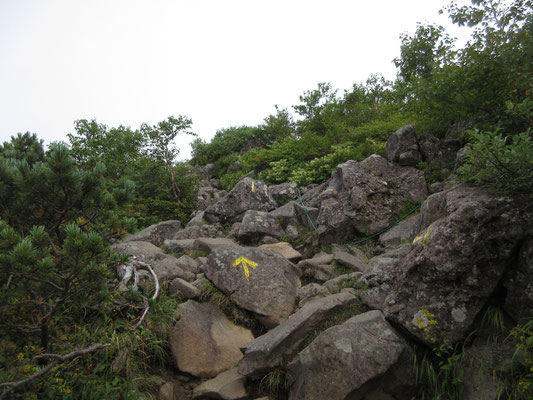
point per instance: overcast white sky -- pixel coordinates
(220, 62)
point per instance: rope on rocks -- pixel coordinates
(364, 239)
(306, 213)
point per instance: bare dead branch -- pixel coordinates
(146, 266)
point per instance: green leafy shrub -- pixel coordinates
(503, 164)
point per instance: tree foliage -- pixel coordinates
(147, 158)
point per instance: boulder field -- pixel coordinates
(287, 294)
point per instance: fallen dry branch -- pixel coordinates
(156, 293)
(58, 359)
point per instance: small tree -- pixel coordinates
(161, 147)
(54, 256)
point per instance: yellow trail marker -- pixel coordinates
(253, 186)
(245, 264)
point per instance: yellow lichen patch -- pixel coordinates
(425, 237)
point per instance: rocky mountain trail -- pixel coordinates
(287, 296)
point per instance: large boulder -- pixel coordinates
(402, 147)
(284, 192)
(248, 194)
(286, 214)
(365, 197)
(261, 281)
(165, 267)
(156, 234)
(256, 224)
(455, 264)
(519, 284)
(207, 196)
(266, 351)
(351, 360)
(204, 342)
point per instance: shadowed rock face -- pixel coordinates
(519, 284)
(455, 264)
(261, 281)
(347, 358)
(205, 343)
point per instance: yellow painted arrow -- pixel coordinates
(245, 264)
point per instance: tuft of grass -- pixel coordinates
(277, 381)
(493, 318)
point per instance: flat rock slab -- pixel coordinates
(357, 261)
(285, 249)
(343, 358)
(210, 244)
(229, 385)
(334, 284)
(311, 292)
(204, 342)
(156, 234)
(261, 281)
(265, 352)
(178, 246)
(183, 288)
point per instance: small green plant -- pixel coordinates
(348, 283)
(516, 375)
(439, 373)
